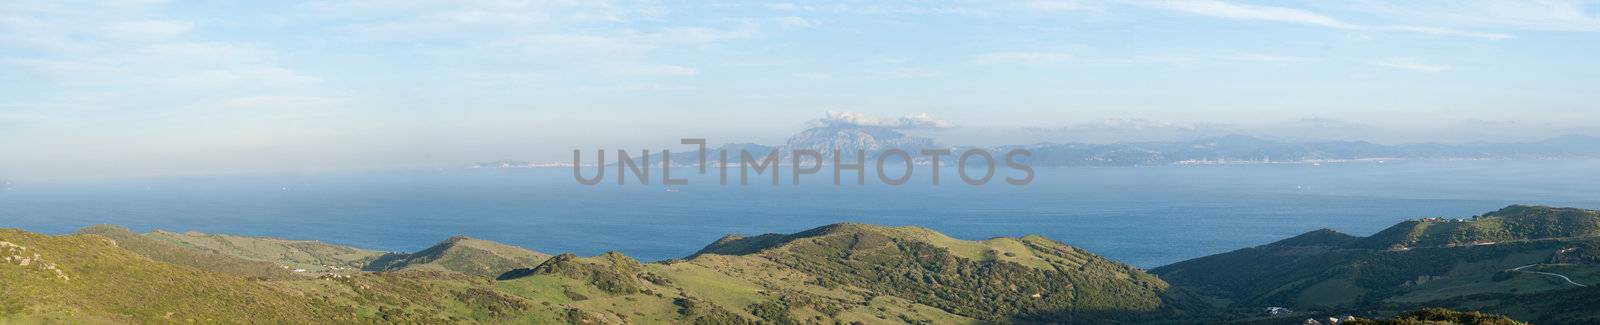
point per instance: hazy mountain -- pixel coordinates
(1247, 149)
(846, 138)
(1229, 149)
(849, 138)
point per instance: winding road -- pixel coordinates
(1563, 277)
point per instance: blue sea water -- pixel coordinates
(1144, 216)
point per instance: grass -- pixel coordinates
(1470, 278)
(1333, 292)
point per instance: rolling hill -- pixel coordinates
(845, 273)
(835, 274)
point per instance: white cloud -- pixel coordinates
(784, 6)
(910, 73)
(757, 63)
(797, 22)
(309, 103)
(657, 70)
(914, 121)
(1064, 5)
(812, 75)
(147, 29)
(1549, 15)
(1222, 9)
(893, 9)
(1443, 32)
(1252, 12)
(701, 35)
(1027, 58)
(887, 60)
(1411, 64)
(198, 52)
(1257, 57)
(1174, 59)
(238, 76)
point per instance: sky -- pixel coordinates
(150, 87)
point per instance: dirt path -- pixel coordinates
(1563, 277)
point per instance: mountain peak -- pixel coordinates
(1512, 223)
(465, 255)
(1048, 277)
(611, 272)
(1321, 238)
(854, 137)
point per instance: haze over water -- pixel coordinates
(1144, 216)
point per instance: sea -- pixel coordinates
(1144, 216)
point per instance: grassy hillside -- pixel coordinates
(1413, 264)
(187, 256)
(1024, 279)
(90, 279)
(315, 257)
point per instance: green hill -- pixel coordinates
(1026, 279)
(462, 254)
(1512, 223)
(1416, 263)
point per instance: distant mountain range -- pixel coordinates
(1246, 149)
(1231, 149)
(1528, 262)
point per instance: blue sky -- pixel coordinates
(156, 87)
